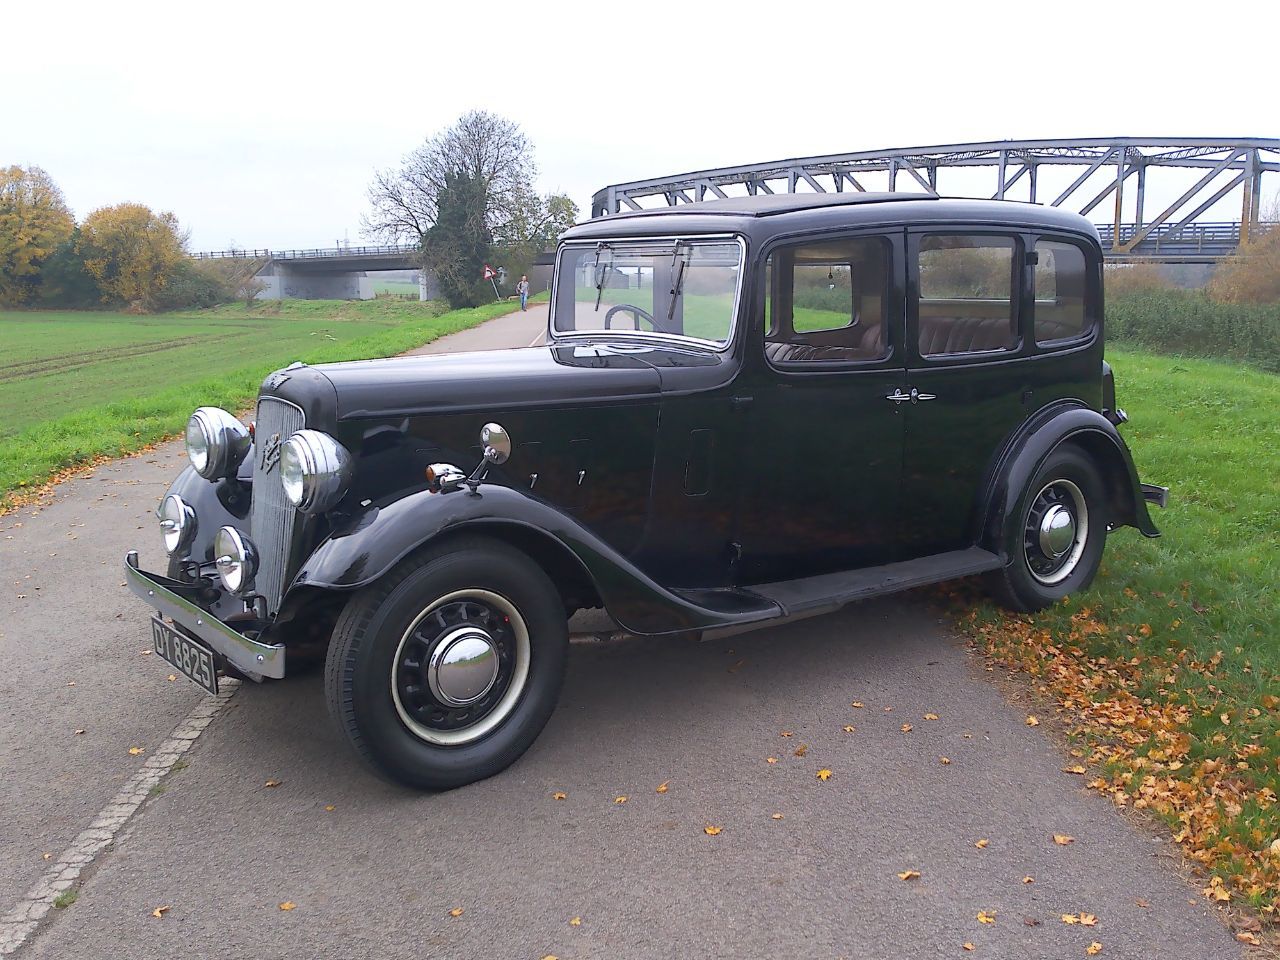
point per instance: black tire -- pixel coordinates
(1034, 578)
(403, 731)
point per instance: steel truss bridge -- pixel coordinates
(1104, 169)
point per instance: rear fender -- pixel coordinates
(363, 550)
(1040, 436)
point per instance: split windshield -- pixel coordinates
(684, 288)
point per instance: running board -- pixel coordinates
(834, 590)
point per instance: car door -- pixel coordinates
(967, 386)
(821, 454)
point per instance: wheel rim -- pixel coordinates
(1056, 531)
(460, 667)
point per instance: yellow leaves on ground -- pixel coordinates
(329, 808)
(1028, 879)
(787, 733)
(1033, 720)
(456, 912)
(1216, 890)
(770, 759)
(1083, 919)
(575, 922)
(849, 728)
(1249, 938)
(273, 782)
(801, 750)
(985, 916)
(160, 911)
(79, 731)
(909, 875)
(824, 774)
(550, 956)
(776, 816)
(1078, 768)
(944, 760)
(1093, 949)
(967, 945)
(288, 905)
(620, 799)
(907, 728)
(1061, 839)
(712, 831)
(981, 844)
(662, 787)
(931, 716)
(134, 751)
(857, 704)
(559, 795)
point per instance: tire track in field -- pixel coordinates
(27, 370)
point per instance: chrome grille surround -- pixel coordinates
(274, 522)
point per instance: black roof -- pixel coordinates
(761, 216)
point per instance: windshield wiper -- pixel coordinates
(678, 283)
(600, 273)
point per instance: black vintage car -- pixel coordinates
(747, 410)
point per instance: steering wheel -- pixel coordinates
(632, 308)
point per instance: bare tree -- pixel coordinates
(481, 147)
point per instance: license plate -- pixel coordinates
(194, 660)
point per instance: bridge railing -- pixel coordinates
(315, 253)
(1207, 238)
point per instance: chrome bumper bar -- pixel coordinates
(247, 656)
(1154, 494)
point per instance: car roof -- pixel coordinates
(763, 216)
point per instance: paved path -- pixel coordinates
(378, 874)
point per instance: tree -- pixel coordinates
(456, 247)
(34, 222)
(64, 281)
(132, 252)
(487, 149)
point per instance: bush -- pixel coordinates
(1189, 323)
(1252, 275)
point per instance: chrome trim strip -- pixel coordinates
(248, 656)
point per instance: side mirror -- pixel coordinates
(496, 443)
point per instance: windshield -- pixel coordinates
(684, 288)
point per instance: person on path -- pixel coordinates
(522, 288)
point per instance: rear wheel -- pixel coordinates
(1055, 537)
(445, 671)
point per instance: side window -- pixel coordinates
(1061, 280)
(967, 294)
(825, 301)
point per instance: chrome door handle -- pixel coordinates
(916, 395)
(897, 396)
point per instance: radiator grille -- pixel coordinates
(273, 520)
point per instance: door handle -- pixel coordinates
(898, 396)
(915, 396)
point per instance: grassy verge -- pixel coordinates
(1167, 671)
(115, 417)
(1187, 323)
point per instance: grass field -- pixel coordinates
(403, 288)
(1168, 669)
(78, 385)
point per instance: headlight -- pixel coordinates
(216, 442)
(177, 524)
(315, 470)
(235, 558)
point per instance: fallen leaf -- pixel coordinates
(776, 816)
(1078, 768)
(985, 917)
(620, 799)
(967, 946)
(849, 728)
(824, 774)
(172, 677)
(80, 731)
(329, 808)
(288, 905)
(770, 759)
(907, 728)
(662, 787)
(801, 750)
(1032, 720)
(273, 782)
(1249, 938)
(134, 751)
(944, 760)
(1088, 920)
(1061, 839)
(1028, 879)
(857, 704)
(787, 733)
(159, 912)
(1030, 922)
(931, 716)
(47, 856)
(575, 922)
(550, 956)
(1144, 904)
(909, 875)
(1093, 949)
(982, 844)
(711, 831)
(1070, 919)
(559, 795)
(456, 912)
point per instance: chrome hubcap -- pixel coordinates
(1057, 531)
(464, 667)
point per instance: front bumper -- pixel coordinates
(248, 656)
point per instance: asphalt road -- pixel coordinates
(375, 870)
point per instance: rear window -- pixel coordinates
(966, 299)
(1061, 280)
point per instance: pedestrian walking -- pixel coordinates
(522, 288)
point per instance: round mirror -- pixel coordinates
(496, 442)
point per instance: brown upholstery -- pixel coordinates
(939, 335)
(862, 344)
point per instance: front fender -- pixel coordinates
(217, 503)
(367, 547)
(1028, 449)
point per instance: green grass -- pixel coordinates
(403, 288)
(75, 386)
(66, 898)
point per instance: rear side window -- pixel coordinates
(967, 301)
(1061, 280)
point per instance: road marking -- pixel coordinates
(17, 926)
(537, 341)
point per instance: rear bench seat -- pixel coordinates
(940, 335)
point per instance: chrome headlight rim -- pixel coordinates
(315, 470)
(178, 525)
(236, 560)
(216, 442)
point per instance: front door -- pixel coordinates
(821, 458)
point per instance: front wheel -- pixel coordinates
(445, 670)
(1055, 537)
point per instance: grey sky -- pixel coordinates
(262, 123)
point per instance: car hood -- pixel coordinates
(458, 382)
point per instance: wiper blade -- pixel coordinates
(678, 284)
(600, 273)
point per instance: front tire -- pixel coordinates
(446, 670)
(1055, 537)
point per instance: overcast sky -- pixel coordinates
(260, 124)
